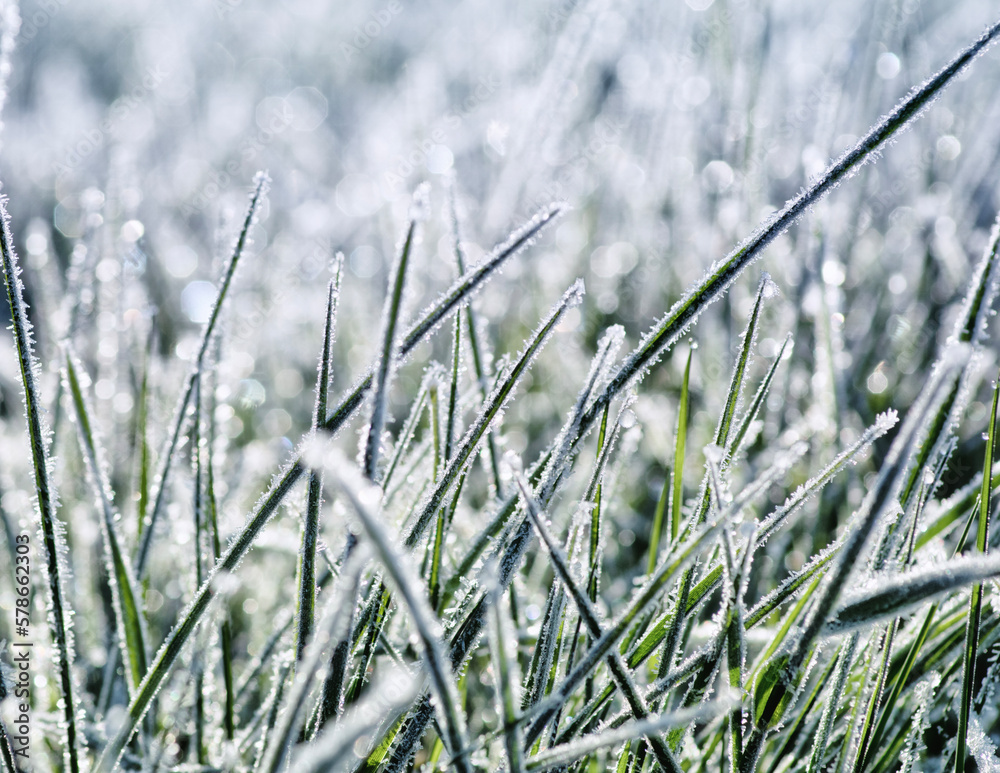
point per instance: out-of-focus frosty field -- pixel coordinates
(748, 530)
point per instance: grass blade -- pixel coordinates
(972, 632)
(334, 745)
(565, 754)
(460, 292)
(261, 185)
(125, 595)
(872, 508)
(287, 478)
(60, 615)
(589, 615)
(506, 676)
(675, 481)
(475, 347)
(900, 593)
(330, 629)
(314, 497)
(387, 354)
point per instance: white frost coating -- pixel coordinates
(769, 288)
(923, 694)
(420, 208)
(365, 498)
(492, 413)
(390, 693)
(893, 595)
(883, 423)
(977, 307)
(982, 747)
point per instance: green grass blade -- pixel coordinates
(506, 677)
(314, 496)
(391, 314)
(142, 440)
(844, 662)
(900, 593)
(972, 632)
(970, 328)
(198, 452)
(451, 417)
(330, 628)
(883, 423)
(261, 185)
(675, 481)
(565, 754)
(590, 618)
(124, 589)
(409, 429)
(270, 717)
(336, 744)
(225, 629)
(475, 346)
(460, 292)
(758, 400)
(60, 615)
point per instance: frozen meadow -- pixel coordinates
(563, 385)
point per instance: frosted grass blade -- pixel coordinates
(124, 590)
(288, 477)
(896, 595)
(589, 615)
(261, 185)
(972, 632)
(568, 753)
(506, 674)
(758, 399)
(60, 615)
(337, 743)
(871, 510)
(475, 346)
(314, 495)
(844, 662)
(449, 301)
(391, 314)
(675, 480)
(330, 629)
